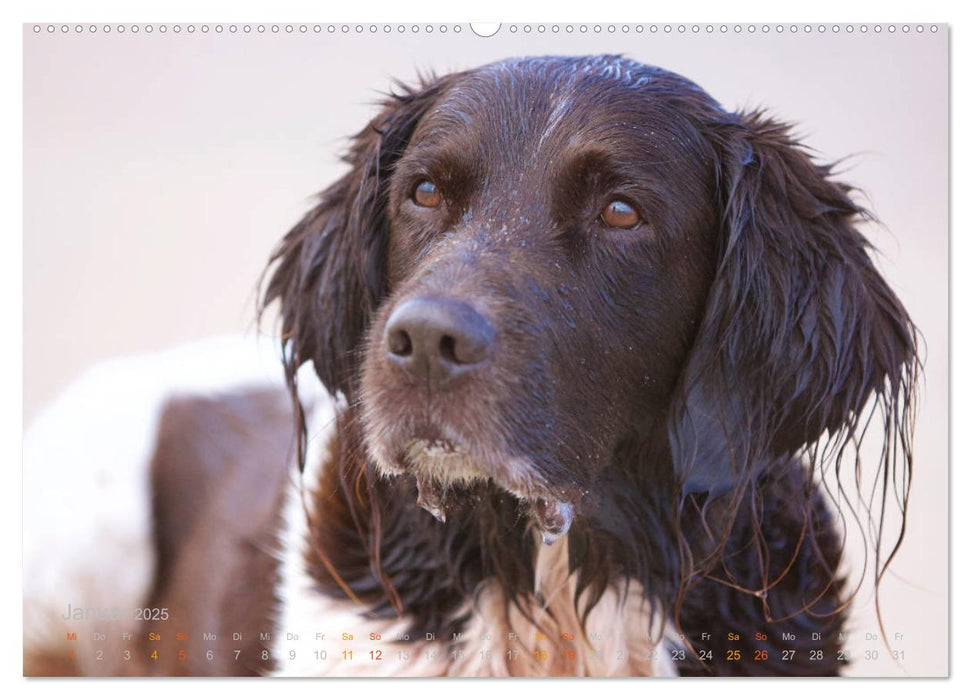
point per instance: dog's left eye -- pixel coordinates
(620, 214)
(427, 194)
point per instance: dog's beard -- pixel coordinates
(445, 469)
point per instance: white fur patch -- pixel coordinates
(614, 642)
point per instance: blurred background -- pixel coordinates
(161, 169)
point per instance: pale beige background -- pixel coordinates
(159, 171)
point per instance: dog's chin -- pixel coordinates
(446, 471)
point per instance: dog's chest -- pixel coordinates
(551, 640)
(321, 635)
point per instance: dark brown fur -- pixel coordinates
(218, 475)
(681, 385)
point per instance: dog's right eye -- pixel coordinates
(620, 214)
(427, 194)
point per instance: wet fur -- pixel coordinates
(686, 389)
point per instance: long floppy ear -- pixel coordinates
(800, 329)
(329, 270)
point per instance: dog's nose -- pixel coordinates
(437, 339)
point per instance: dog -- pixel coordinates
(584, 345)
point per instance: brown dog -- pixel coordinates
(593, 340)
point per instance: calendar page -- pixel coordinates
(454, 350)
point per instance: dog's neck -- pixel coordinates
(369, 539)
(483, 575)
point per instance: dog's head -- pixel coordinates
(538, 263)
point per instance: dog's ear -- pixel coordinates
(329, 272)
(800, 329)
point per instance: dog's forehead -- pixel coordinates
(529, 102)
(531, 88)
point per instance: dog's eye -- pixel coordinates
(620, 214)
(427, 194)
